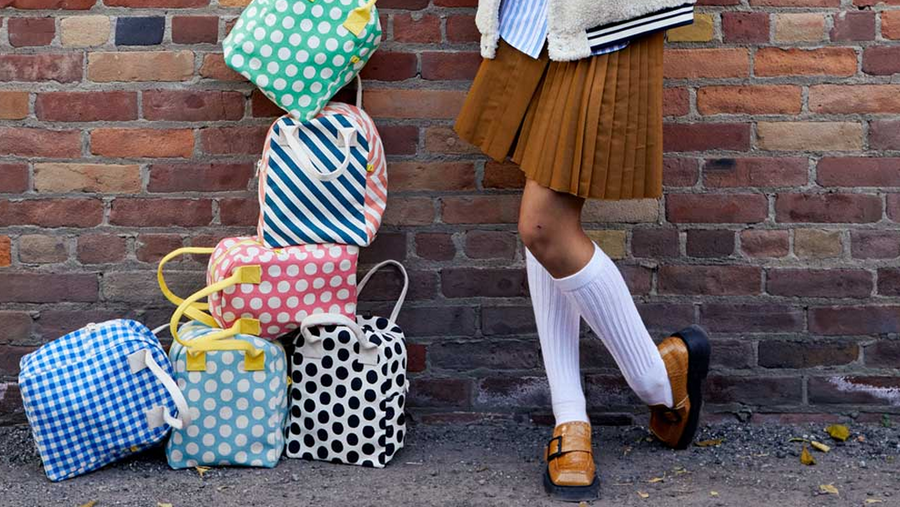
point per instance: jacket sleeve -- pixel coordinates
(487, 19)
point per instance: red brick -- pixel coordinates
(433, 176)
(743, 27)
(759, 243)
(889, 281)
(491, 245)
(133, 143)
(239, 211)
(49, 4)
(213, 67)
(751, 318)
(387, 245)
(829, 61)
(86, 106)
(42, 249)
(804, 354)
(13, 178)
(14, 105)
(756, 172)
(763, 391)
(411, 5)
(40, 142)
(654, 243)
(10, 357)
(41, 67)
(874, 244)
(706, 136)
(424, 28)
(189, 105)
(435, 246)
(881, 60)
(859, 320)
(853, 26)
(827, 208)
(153, 247)
(48, 287)
(31, 31)
(676, 102)
(262, 107)
(832, 283)
(462, 29)
(716, 208)
(455, 3)
(433, 104)
(680, 171)
(474, 282)
(445, 140)
(480, 209)
(199, 177)
(233, 140)
(859, 172)
(399, 139)
(503, 175)
(391, 66)
(195, 29)
(5, 251)
(884, 134)
(410, 211)
(749, 99)
(416, 357)
(837, 99)
(893, 207)
(440, 392)
(16, 327)
(710, 243)
(709, 280)
(160, 212)
(718, 2)
(437, 66)
(637, 278)
(706, 62)
(100, 248)
(165, 4)
(52, 212)
(890, 24)
(856, 390)
(883, 353)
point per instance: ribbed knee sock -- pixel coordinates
(600, 295)
(557, 324)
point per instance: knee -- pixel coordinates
(536, 235)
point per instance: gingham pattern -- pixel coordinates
(85, 407)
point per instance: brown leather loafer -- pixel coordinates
(571, 475)
(686, 356)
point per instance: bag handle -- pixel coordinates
(346, 134)
(359, 92)
(196, 311)
(156, 416)
(359, 17)
(399, 304)
(312, 344)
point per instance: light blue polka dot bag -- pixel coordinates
(236, 390)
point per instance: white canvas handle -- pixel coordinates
(359, 92)
(348, 138)
(312, 344)
(156, 416)
(401, 299)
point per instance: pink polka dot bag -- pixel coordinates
(250, 285)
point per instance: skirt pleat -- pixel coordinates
(592, 128)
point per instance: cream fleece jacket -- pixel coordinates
(568, 22)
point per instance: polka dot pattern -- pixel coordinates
(343, 410)
(295, 282)
(238, 416)
(257, 48)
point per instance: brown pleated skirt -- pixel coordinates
(592, 128)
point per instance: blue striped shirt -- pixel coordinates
(523, 25)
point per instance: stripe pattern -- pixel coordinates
(664, 19)
(296, 208)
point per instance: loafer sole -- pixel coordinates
(571, 493)
(697, 343)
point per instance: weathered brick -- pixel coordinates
(744, 27)
(799, 27)
(52, 212)
(239, 211)
(391, 66)
(810, 136)
(160, 212)
(134, 143)
(213, 67)
(410, 211)
(755, 172)
(153, 247)
(164, 4)
(854, 320)
(17, 326)
(806, 354)
(751, 318)
(438, 66)
(436, 104)
(48, 287)
(432, 176)
(462, 29)
(881, 60)
(100, 248)
(445, 140)
(142, 287)
(827, 208)
(829, 61)
(10, 357)
(101, 178)
(438, 321)
(195, 29)
(889, 281)
(54, 323)
(41, 67)
(417, 28)
(701, 30)
(621, 211)
(837, 99)
(190, 105)
(853, 26)
(416, 357)
(709, 280)
(830, 283)
(735, 354)
(440, 392)
(399, 139)
(233, 140)
(654, 243)
(817, 244)
(491, 245)
(893, 207)
(869, 244)
(40, 142)
(502, 175)
(84, 31)
(75, 5)
(796, 3)
(106, 67)
(495, 354)
(13, 178)
(387, 245)
(709, 243)
(749, 99)
(716, 208)
(759, 243)
(30, 31)
(884, 134)
(609, 391)
(637, 278)
(140, 30)
(42, 249)
(706, 136)
(881, 354)
(857, 390)
(512, 392)
(680, 171)
(859, 172)
(612, 242)
(13, 105)
(890, 24)
(507, 320)
(435, 246)
(666, 317)
(5, 251)
(86, 106)
(676, 102)
(480, 209)
(762, 391)
(199, 177)
(706, 63)
(475, 282)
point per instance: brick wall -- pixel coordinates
(123, 136)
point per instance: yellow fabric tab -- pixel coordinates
(254, 361)
(354, 59)
(248, 274)
(196, 360)
(358, 19)
(370, 168)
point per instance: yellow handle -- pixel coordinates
(196, 310)
(242, 274)
(359, 17)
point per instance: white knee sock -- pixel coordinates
(599, 293)
(557, 324)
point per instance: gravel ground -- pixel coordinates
(496, 464)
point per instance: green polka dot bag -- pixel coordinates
(301, 52)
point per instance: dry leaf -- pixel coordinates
(201, 470)
(798, 439)
(643, 495)
(806, 458)
(838, 432)
(713, 493)
(710, 443)
(819, 446)
(92, 503)
(656, 479)
(829, 488)
(861, 438)
(874, 500)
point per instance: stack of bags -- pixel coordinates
(227, 394)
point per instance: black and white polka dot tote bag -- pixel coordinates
(349, 387)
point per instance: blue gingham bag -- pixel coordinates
(97, 395)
